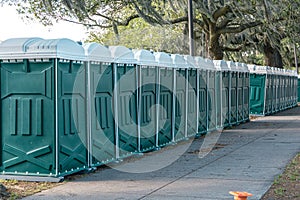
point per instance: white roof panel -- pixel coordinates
(221, 65)
(179, 61)
(200, 62)
(97, 52)
(209, 64)
(37, 48)
(190, 61)
(121, 54)
(57, 48)
(163, 59)
(145, 58)
(256, 69)
(245, 68)
(15, 48)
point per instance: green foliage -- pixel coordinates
(241, 30)
(141, 35)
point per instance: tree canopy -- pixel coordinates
(233, 28)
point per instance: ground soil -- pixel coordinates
(287, 185)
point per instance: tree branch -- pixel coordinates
(118, 23)
(221, 12)
(224, 23)
(239, 28)
(86, 24)
(233, 49)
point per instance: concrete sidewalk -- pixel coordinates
(245, 158)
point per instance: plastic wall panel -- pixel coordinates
(273, 93)
(225, 98)
(180, 104)
(192, 128)
(203, 112)
(148, 113)
(288, 92)
(212, 108)
(246, 86)
(218, 93)
(298, 89)
(277, 105)
(282, 86)
(240, 97)
(72, 116)
(295, 91)
(269, 95)
(233, 109)
(102, 119)
(257, 93)
(27, 113)
(166, 102)
(284, 93)
(127, 109)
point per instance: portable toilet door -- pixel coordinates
(233, 93)
(212, 95)
(125, 102)
(192, 96)
(181, 97)
(102, 140)
(224, 93)
(258, 75)
(203, 96)
(148, 100)
(167, 90)
(246, 93)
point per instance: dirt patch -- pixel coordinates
(287, 185)
(13, 189)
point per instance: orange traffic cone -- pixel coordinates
(240, 195)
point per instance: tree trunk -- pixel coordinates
(214, 49)
(272, 56)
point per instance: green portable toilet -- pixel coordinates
(192, 96)
(281, 88)
(148, 100)
(291, 95)
(166, 133)
(233, 93)
(218, 95)
(274, 91)
(212, 95)
(258, 75)
(298, 88)
(43, 112)
(293, 91)
(269, 91)
(181, 98)
(277, 86)
(125, 100)
(202, 95)
(240, 93)
(295, 88)
(246, 92)
(288, 87)
(284, 89)
(101, 129)
(224, 81)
